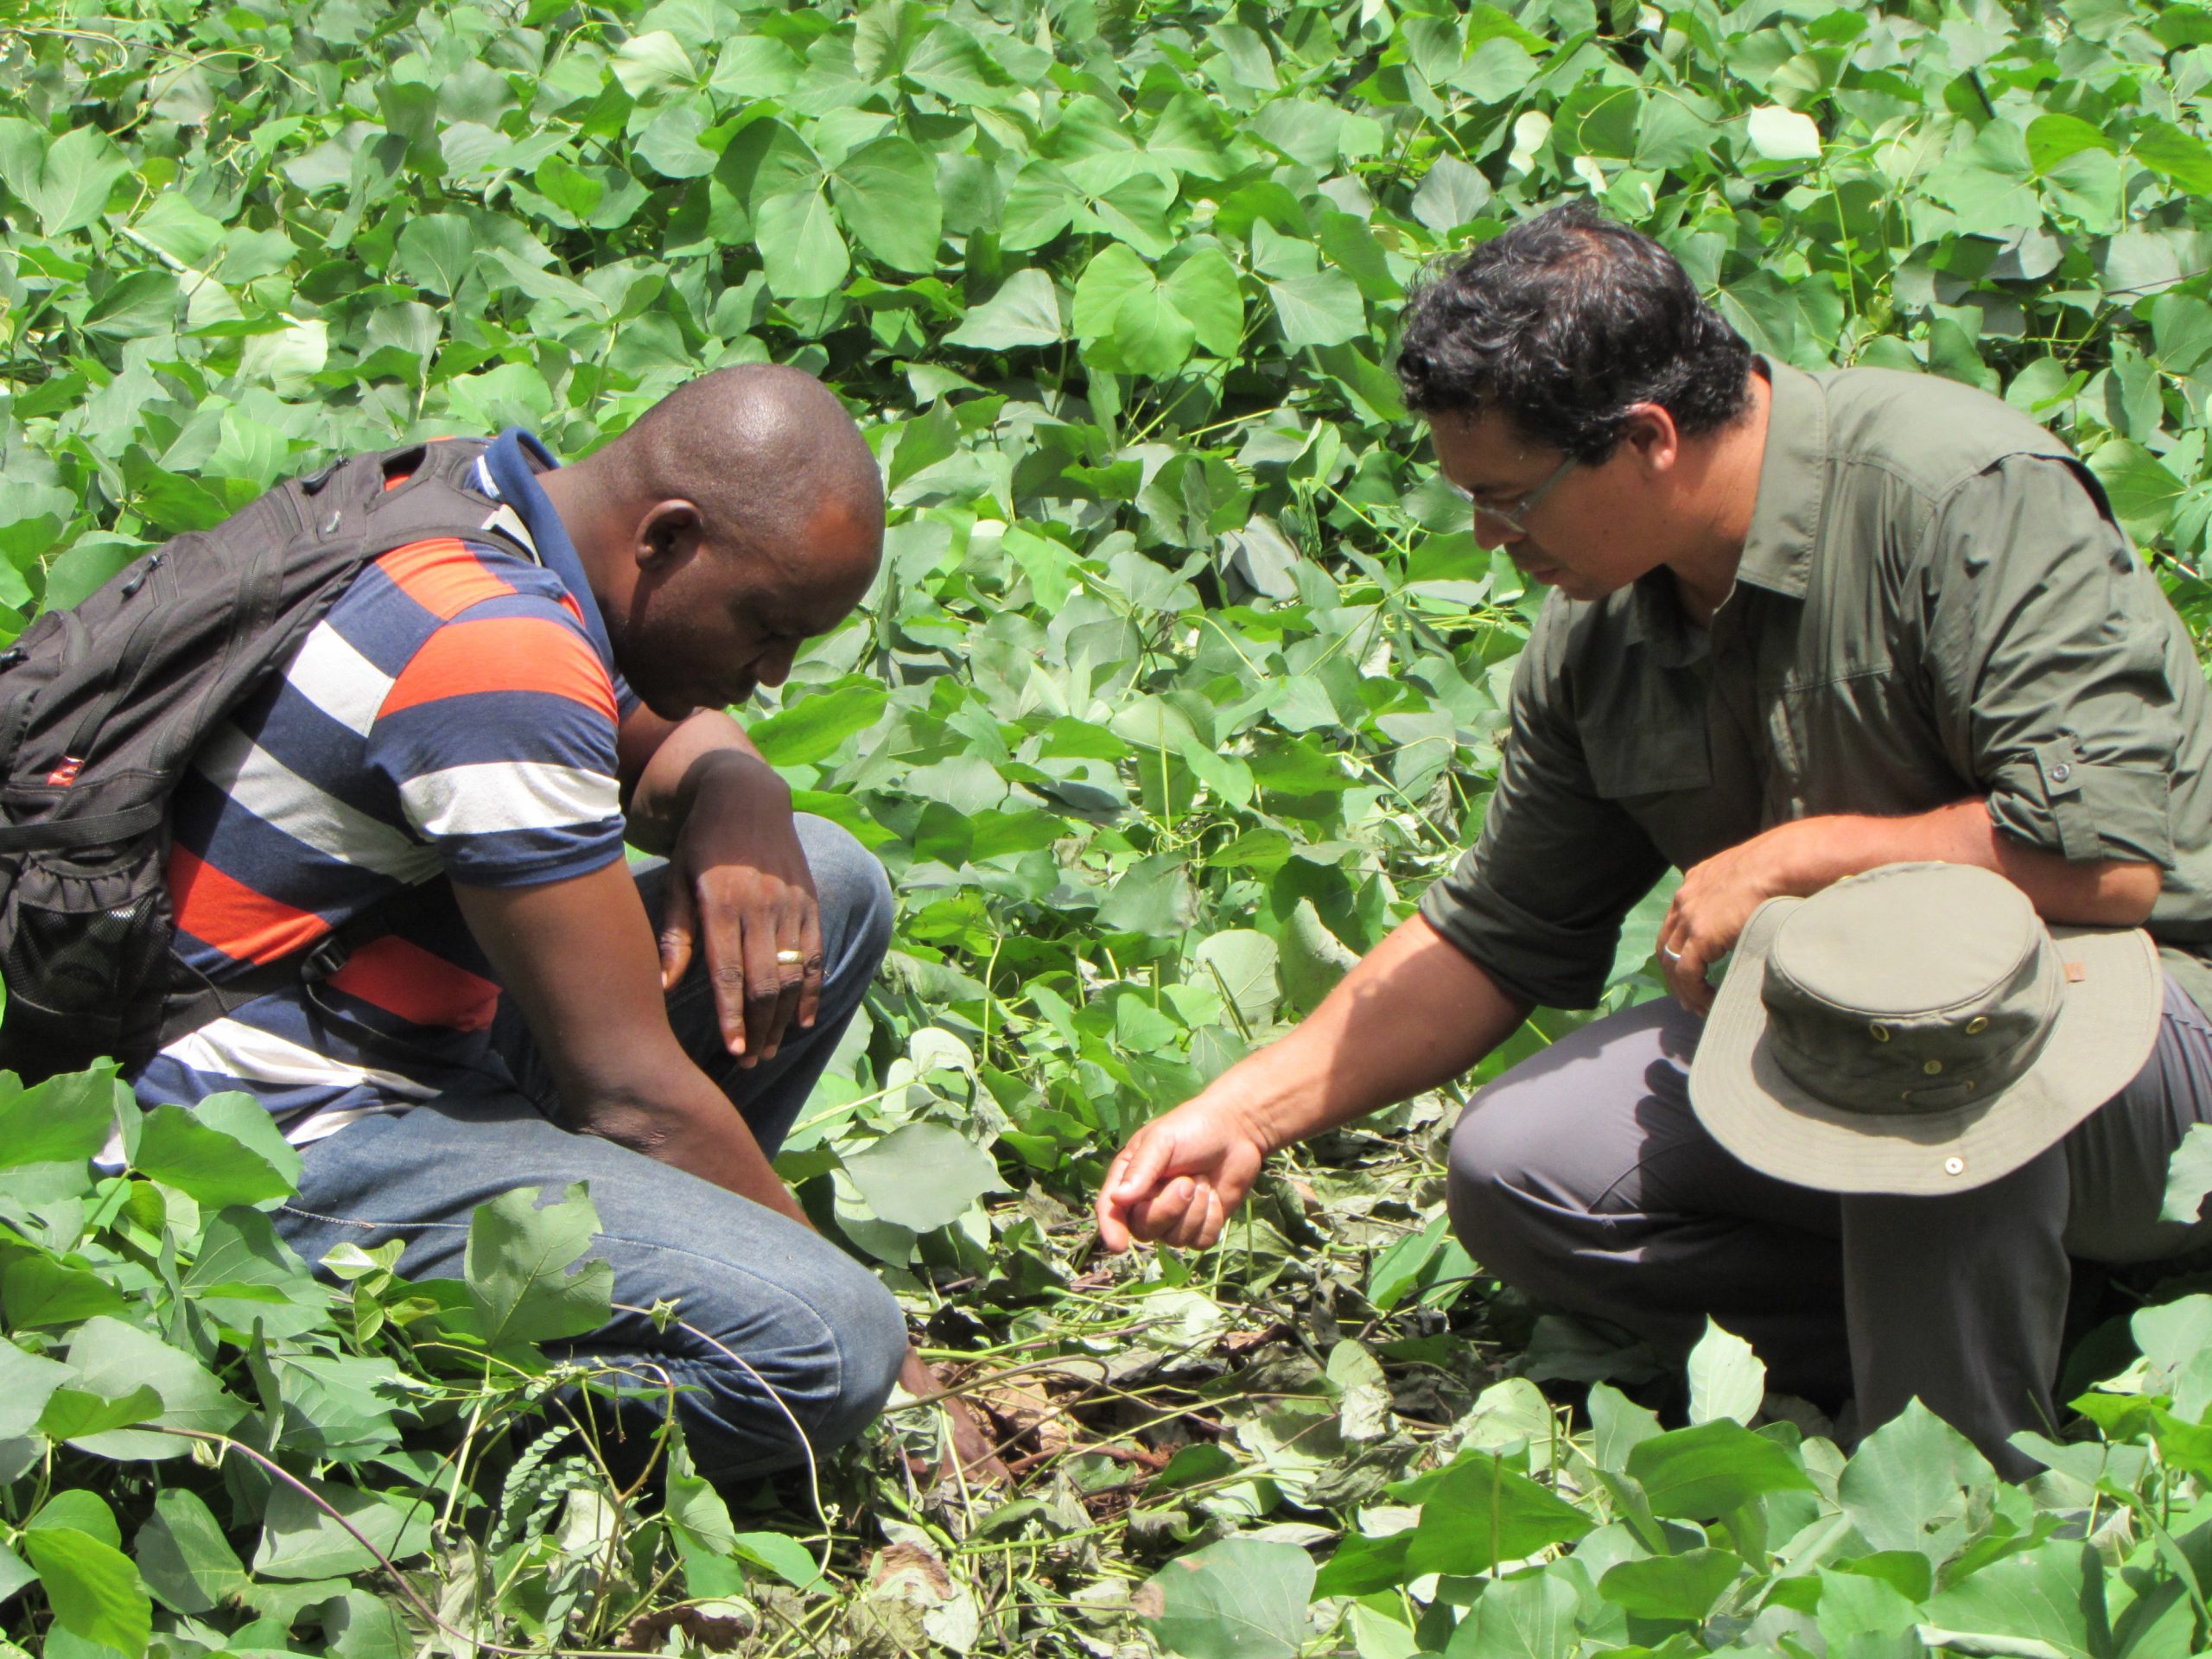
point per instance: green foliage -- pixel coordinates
(519, 1270)
(1236, 1600)
(1184, 676)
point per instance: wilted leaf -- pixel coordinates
(1727, 1380)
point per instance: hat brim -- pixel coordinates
(2106, 1026)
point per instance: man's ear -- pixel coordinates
(1652, 437)
(668, 535)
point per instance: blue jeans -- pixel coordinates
(815, 1326)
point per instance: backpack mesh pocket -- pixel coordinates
(86, 958)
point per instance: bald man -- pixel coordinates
(477, 725)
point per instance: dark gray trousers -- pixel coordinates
(1583, 1177)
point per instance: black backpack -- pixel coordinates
(101, 707)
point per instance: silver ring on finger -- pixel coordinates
(1671, 956)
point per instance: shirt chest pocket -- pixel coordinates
(1631, 765)
(1664, 781)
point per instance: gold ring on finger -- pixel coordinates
(790, 958)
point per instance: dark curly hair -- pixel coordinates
(1560, 324)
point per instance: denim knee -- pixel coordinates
(872, 1340)
(855, 895)
(837, 1345)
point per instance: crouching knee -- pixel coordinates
(871, 1346)
(854, 894)
(811, 1372)
(1490, 1194)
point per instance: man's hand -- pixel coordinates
(1718, 896)
(1181, 1176)
(699, 792)
(1414, 1012)
(1715, 900)
(738, 884)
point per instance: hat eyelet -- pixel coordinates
(1878, 1032)
(1954, 1166)
(1976, 1025)
(1933, 1068)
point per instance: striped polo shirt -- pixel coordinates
(452, 718)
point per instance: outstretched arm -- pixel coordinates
(1414, 1014)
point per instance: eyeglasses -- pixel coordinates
(1514, 514)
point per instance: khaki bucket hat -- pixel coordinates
(1918, 1029)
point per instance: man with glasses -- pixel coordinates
(1805, 625)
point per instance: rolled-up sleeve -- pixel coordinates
(2046, 648)
(1538, 902)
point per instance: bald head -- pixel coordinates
(766, 452)
(741, 516)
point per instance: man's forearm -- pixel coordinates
(1414, 1014)
(687, 1122)
(666, 765)
(2108, 892)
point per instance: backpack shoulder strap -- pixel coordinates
(415, 493)
(187, 1008)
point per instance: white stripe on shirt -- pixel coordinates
(337, 679)
(497, 798)
(230, 1048)
(277, 795)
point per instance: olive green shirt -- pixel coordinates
(1933, 603)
